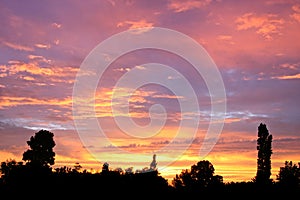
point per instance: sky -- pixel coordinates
(253, 45)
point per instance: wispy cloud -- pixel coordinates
(7, 101)
(182, 6)
(43, 46)
(18, 46)
(286, 77)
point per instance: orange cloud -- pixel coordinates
(32, 68)
(136, 24)
(224, 37)
(182, 6)
(103, 102)
(6, 101)
(285, 77)
(265, 25)
(54, 73)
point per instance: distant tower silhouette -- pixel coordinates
(153, 163)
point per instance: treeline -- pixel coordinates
(37, 178)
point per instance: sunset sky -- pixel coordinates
(254, 44)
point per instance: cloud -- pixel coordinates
(38, 68)
(136, 24)
(122, 69)
(224, 37)
(9, 101)
(137, 27)
(39, 58)
(296, 14)
(112, 2)
(17, 46)
(36, 124)
(182, 6)
(33, 83)
(238, 116)
(286, 77)
(266, 25)
(56, 25)
(279, 2)
(43, 46)
(291, 66)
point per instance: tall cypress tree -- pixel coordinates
(264, 147)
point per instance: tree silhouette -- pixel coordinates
(41, 152)
(183, 180)
(9, 168)
(105, 167)
(203, 174)
(17, 178)
(77, 167)
(264, 147)
(200, 177)
(289, 175)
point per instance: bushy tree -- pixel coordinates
(41, 152)
(199, 177)
(289, 175)
(183, 180)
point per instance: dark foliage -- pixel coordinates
(199, 178)
(264, 148)
(289, 175)
(37, 180)
(41, 152)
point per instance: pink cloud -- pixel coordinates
(56, 25)
(43, 46)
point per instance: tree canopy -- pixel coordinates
(199, 177)
(41, 152)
